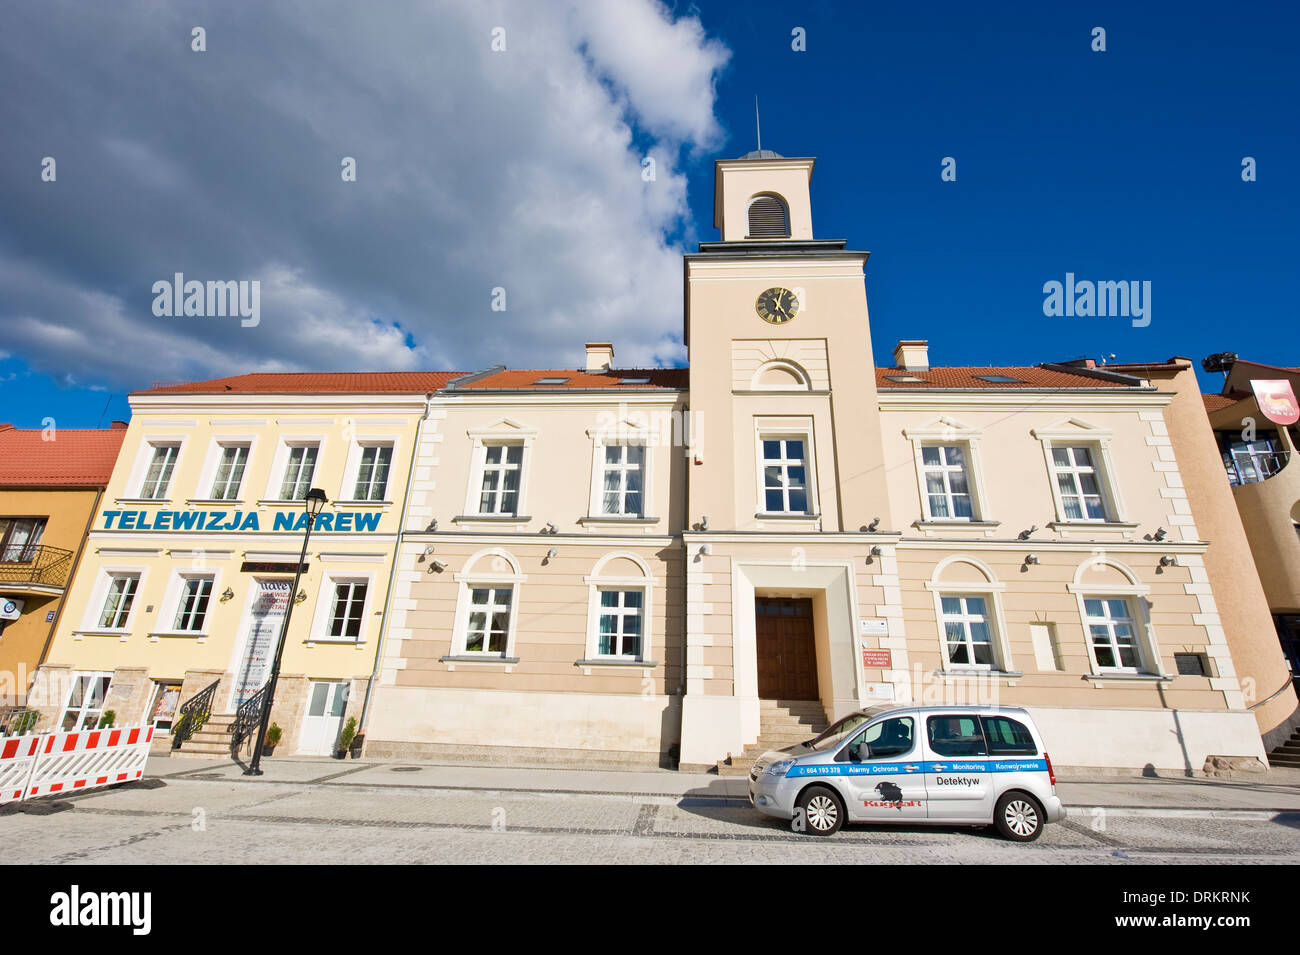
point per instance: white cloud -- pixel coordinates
(476, 169)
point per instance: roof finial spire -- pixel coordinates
(758, 129)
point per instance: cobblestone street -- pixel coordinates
(325, 812)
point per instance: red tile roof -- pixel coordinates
(316, 383)
(76, 457)
(1032, 377)
(527, 378)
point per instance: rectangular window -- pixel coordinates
(946, 485)
(372, 476)
(349, 603)
(159, 476)
(1191, 664)
(785, 475)
(1250, 461)
(1113, 635)
(192, 610)
(117, 602)
(955, 736)
(86, 701)
(624, 480)
(1077, 480)
(1008, 737)
(298, 472)
(489, 620)
(19, 538)
(166, 698)
(499, 488)
(621, 623)
(230, 472)
(966, 630)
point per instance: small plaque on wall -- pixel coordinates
(873, 628)
(878, 691)
(877, 658)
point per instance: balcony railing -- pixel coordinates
(1253, 467)
(41, 566)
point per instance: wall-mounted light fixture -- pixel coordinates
(1031, 558)
(437, 567)
(1024, 535)
(549, 554)
(302, 595)
(871, 528)
(227, 595)
(1169, 560)
(433, 525)
(427, 551)
(549, 528)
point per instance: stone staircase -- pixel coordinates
(211, 741)
(782, 723)
(1288, 754)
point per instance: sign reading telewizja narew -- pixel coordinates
(196, 520)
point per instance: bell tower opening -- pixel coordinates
(763, 196)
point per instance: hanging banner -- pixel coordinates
(1276, 400)
(264, 630)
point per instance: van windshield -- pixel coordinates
(841, 728)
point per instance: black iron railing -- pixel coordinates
(46, 566)
(248, 718)
(17, 720)
(193, 714)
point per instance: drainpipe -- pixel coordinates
(392, 571)
(72, 576)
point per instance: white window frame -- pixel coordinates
(492, 578)
(785, 430)
(324, 614)
(1108, 621)
(1138, 597)
(625, 434)
(951, 433)
(67, 699)
(353, 469)
(99, 595)
(1076, 433)
(965, 618)
(212, 464)
(991, 590)
(505, 431)
(280, 464)
(597, 581)
(176, 594)
(144, 459)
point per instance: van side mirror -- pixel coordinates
(862, 753)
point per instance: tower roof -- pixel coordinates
(762, 154)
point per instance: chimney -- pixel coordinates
(600, 356)
(117, 425)
(912, 355)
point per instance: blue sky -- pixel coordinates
(1116, 165)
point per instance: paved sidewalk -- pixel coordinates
(1278, 790)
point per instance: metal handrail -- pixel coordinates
(248, 718)
(48, 566)
(1280, 690)
(193, 714)
(1264, 464)
(18, 720)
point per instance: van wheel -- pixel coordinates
(823, 814)
(1019, 817)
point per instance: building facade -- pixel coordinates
(189, 564)
(51, 481)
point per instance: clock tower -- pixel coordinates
(786, 473)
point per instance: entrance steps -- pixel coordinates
(212, 740)
(1288, 754)
(781, 723)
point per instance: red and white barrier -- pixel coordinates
(43, 764)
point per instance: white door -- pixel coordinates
(326, 701)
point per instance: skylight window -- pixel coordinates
(550, 381)
(907, 379)
(1002, 379)
(634, 381)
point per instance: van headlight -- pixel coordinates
(779, 768)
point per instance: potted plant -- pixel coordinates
(272, 740)
(106, 720)
(355, 749)
(346, 737)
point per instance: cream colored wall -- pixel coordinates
(741, 180)
(159, 556)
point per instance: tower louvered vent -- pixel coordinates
(768, 218)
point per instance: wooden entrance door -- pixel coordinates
(787, 655)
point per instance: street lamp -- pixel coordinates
(314, 503)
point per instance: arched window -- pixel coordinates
(768, 218)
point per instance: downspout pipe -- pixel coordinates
(392, 570)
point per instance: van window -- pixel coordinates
(956, 736)
(885, 740)
(1006, 737)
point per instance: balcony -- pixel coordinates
(39, 570)
(1251, 467)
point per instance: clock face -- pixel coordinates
(777, 305)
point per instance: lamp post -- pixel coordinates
(314, 503)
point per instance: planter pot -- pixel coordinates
(268, 750)
(340, 754)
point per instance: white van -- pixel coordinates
(916, 765)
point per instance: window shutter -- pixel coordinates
(768, 219)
